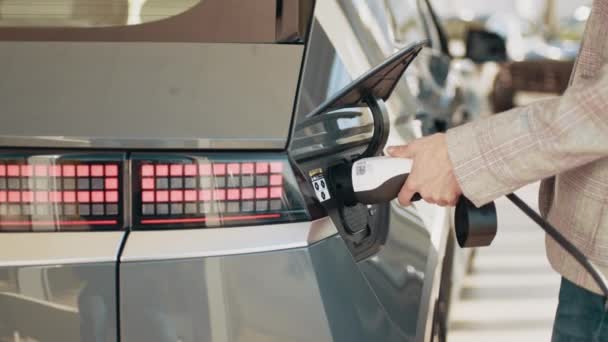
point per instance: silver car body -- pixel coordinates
(293, 281)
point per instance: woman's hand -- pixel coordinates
(432, 173)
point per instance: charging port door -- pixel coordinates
(339, 120)
(364, 228)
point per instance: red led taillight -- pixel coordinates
(74, 191)
(50, 192)
(213, 191)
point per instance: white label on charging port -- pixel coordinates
(319, 184)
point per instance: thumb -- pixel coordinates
(401, 151)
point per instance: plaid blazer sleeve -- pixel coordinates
(499, 154)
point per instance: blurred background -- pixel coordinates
(542, 38)
(510, 292)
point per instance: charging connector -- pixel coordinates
(379, 179)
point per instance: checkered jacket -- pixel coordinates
(564, 142)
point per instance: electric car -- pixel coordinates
(162, 179)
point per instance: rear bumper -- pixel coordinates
(301, 284)
(310, 293)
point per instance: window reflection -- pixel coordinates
(405, 21)
(323, 80)
(58, 303)
(135, 8)
(338, 79)
(89, 13)
(374, 16)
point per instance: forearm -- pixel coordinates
(499, 154)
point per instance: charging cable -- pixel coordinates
(599, 278)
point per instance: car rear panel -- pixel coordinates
(144, 95)
(182, 74)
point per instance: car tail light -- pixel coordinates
(172, 191)
(50, 192)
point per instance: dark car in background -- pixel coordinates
(155, 177)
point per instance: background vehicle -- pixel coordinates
(540, 38)
(156, 187)
(444, 88)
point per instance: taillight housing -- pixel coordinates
(60, 192)
(212, 190)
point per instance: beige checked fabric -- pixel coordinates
(563, 141)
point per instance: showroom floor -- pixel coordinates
(511, 293)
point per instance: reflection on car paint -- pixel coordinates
(397, 272)
(58, 303)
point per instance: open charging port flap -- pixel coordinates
(363, 227)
